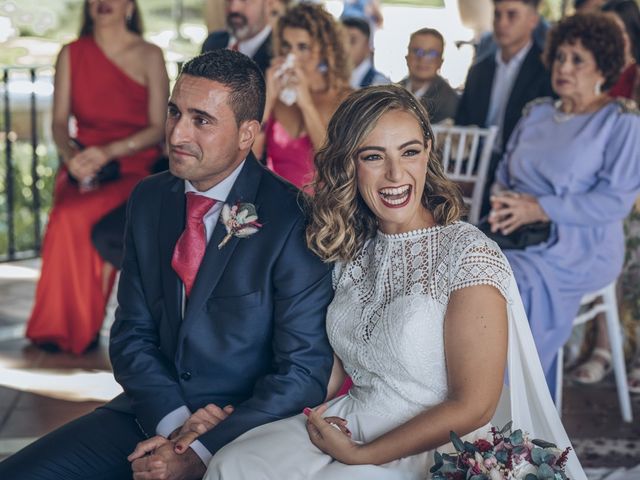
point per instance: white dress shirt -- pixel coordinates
(359, 72)
(419, 93)
(219, 192)
(251, 45)
(503, 80)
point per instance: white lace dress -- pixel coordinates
(386, 323)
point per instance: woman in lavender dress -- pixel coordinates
(574, 163)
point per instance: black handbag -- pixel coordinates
(519, 239)
(109, 171)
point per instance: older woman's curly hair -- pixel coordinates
(326, 32)
(341, 222)
(597, 33)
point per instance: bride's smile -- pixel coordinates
(392, 167)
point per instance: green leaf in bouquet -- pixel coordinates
(545, 472)
(437, 458)
(516, 438)
(537, 455)
(506, 428)
(438, 476)
(457, 443)
(450, 458)
(502, 456)
(449, 468)
(470, 447)
(548, 456)
(520, 450)
(543, 443)
(531, 476)
(479, 477)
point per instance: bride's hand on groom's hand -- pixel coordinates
(333, 441)
(165, 464)
(146, 447)
(203, 420)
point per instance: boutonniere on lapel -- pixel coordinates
(241, 221)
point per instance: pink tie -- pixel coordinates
(190, 248)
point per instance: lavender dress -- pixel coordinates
(585, 172)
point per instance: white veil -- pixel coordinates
(525, 398)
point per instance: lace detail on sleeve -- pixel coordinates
(336, 273)
(481, 263)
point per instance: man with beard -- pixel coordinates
(248, 31)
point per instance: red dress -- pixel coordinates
(108, 105)
(289, 157)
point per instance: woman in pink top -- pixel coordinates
(305, 84)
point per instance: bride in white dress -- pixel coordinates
(425, 318)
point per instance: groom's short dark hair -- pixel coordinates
(238, 73)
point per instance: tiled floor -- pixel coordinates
(40, 391)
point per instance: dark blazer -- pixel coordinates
(253, 333)
(220, 39)
(532, 81)
(440, 100)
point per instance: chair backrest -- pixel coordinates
(465, 154)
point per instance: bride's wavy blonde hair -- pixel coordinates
(340, 220)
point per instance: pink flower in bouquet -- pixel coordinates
(490, 462)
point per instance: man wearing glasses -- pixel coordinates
(424, 60)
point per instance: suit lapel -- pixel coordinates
(172, 218)
(215, 259)
(529, 72)
(484, 91)
(262, 57)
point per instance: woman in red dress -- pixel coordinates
(116, 87)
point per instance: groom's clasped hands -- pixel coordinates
(171, 458)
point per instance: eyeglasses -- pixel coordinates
(430, 54)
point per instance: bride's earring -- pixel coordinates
(598, 88)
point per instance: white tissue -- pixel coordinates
(288, 94)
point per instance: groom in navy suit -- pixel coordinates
(223, 310)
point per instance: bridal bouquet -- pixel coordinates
(505, 455)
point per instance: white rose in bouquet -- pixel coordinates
(495, 474)
(521, 470)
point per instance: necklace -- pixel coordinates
(559, 116)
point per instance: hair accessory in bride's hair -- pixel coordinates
(414, 107)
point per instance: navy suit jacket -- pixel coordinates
(220, 39)
(253, 333)
(532, 81)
